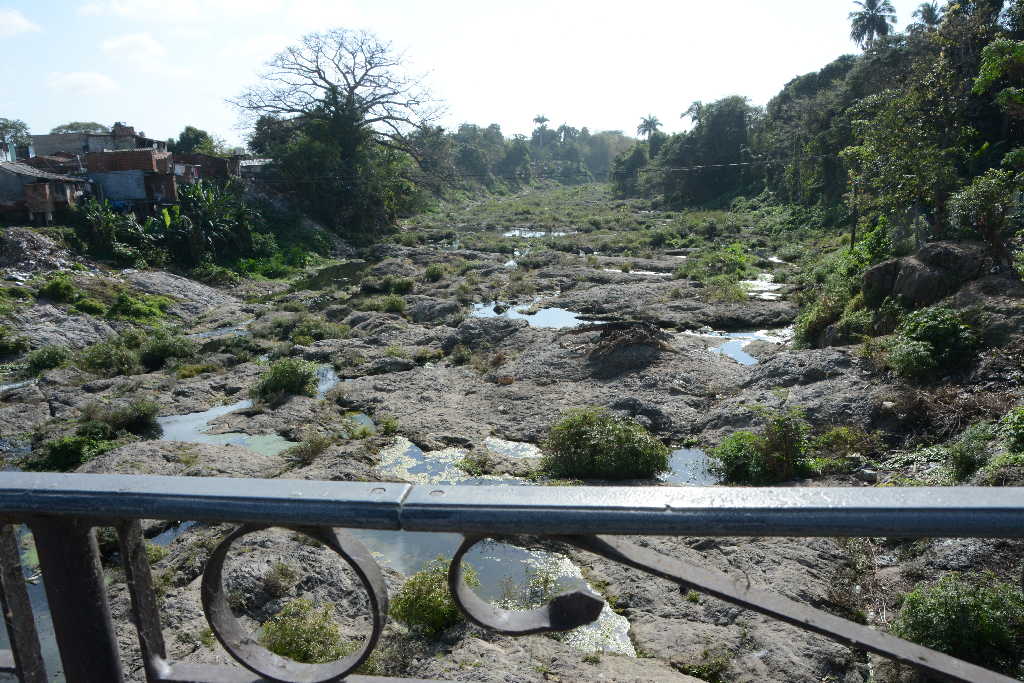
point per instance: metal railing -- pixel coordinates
(62, 511)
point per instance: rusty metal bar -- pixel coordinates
(69, 557)
(25, 656)
(804, 616)
(145, 610)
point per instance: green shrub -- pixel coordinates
(67, 453)
(317, 329)
(91, 306)
(1006, 469)
(280, 579)
(143, 308)
(212, 274)
(60, 288)
(193, 370)
(46, 358)
(591, 444)
(846, 441)
(974, 617)
(775, 455)
(309, 449)
(109, 359)
(10, 343)
(393, 303)
(434, 272)
(287, 376)
(969, 451)
(460, 355)
(910, 358)
(950, 338)
(154, 353)
(400, 285)
(424, 603)
(388, 425)
(155, 553)
(1012, 429)
(725, 289)
(135, 417)
(304, 633)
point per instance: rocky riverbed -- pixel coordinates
(475, 364)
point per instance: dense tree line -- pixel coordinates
(918, 129)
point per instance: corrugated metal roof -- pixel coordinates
(24, 169)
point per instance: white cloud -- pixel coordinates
(134, 46)
(81, 83)
(13, 22)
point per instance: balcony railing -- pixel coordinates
(63, 511)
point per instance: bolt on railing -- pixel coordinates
(62, 511)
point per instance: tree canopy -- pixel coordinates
(353, 68)
(14, 130)
(80, 127)
(194, 140)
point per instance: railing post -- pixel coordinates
(70, 560)
(139, 577)
(21, 625)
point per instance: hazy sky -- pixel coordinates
(162, 64)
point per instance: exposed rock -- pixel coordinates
(428, 310)
(934, 272)
(477, 332)
(174, 458)
(46, 324)
(191, 298)
(29, 251)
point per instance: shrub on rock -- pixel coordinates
(777, 454)
(155, 352)
(47, 358)
(287, 377)
(974, 617)
(305, 633)
(592, 444)
(424, 603)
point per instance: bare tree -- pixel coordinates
(354, 67)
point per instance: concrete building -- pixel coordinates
(28, 190)
(138, 179)
(120, 137)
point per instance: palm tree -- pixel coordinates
(695, 113)
(874, 20)
(649, 125)
(540, 120)
(928, 16)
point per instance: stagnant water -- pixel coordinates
(732, 344)
(551, 317)
(522, 232)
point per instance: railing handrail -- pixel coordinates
(638, 510)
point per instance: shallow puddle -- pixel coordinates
(689, 466)
(16, 385)
(763, 287)
(519, 232)
(228, 331)
(731, 344)
(405, 461)
(552, 318)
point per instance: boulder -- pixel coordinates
(429, 310)
(476, 332)
(933, 273)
